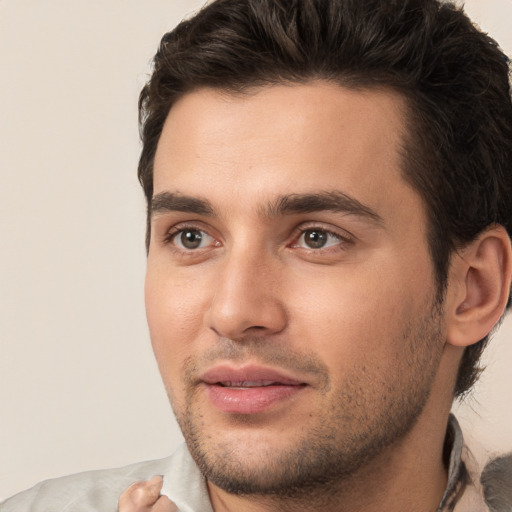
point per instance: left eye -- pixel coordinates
(190, 239)
(317, 239)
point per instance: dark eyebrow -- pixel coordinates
(169, 202)
(288, 204)
(334, 201)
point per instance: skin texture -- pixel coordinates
(145, 497)
(355, 321)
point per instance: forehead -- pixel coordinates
(283, 139)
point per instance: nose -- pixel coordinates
(247, 300)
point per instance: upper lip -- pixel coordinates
(227, 374)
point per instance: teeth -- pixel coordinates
(247, 383)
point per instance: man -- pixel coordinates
(328, 188)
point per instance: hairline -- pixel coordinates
(353, 82)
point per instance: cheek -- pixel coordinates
(175, 319)
(357, 318)
(175, 301)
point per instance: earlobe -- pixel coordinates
(478, 287)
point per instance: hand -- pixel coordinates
(145, 497)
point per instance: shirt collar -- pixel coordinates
(454, 443)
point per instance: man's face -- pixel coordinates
(290, 293)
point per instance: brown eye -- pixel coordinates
(190, 239)
(318, 238)
(315, 238)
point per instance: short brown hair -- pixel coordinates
(458, 155)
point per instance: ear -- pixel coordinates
(478, 287)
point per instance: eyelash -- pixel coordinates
(344, 240)
(173, 233)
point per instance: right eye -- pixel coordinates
(189, 239)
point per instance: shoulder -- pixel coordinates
(84, 492)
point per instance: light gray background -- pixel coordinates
(78, 385)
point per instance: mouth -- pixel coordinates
(248, 384)
(250, 389)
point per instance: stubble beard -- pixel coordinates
(369, 414)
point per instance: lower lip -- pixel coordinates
(250, 400)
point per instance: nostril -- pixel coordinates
(234, 315)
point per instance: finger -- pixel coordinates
(164, 504)
(141, 496)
